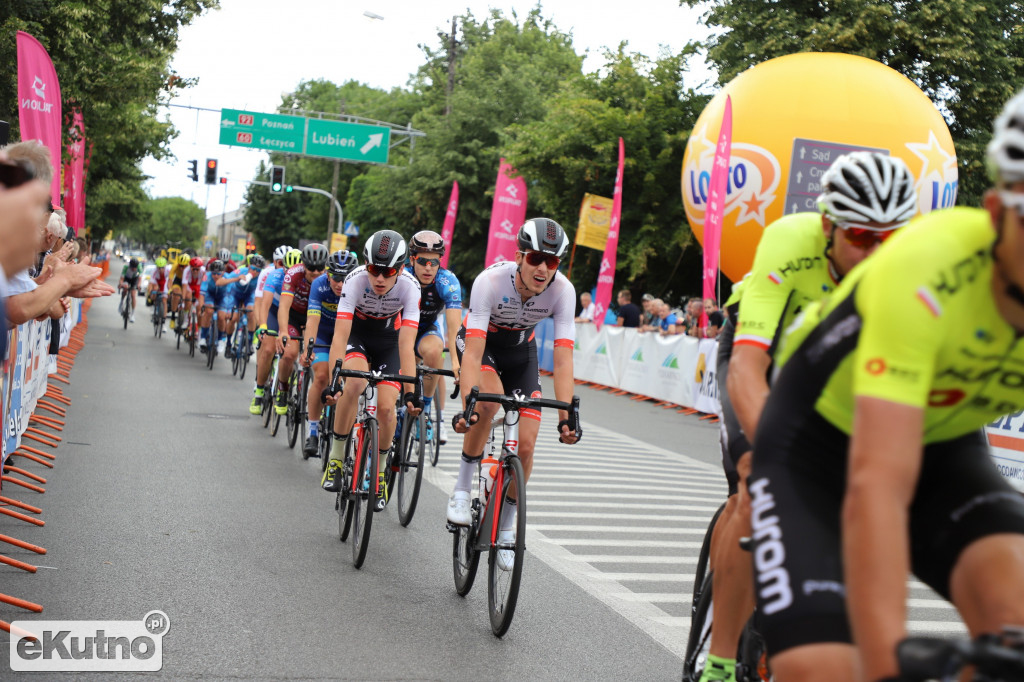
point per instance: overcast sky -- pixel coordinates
(247, 54)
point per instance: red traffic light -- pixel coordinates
(223, 181)
(211, 163)
(211, 172)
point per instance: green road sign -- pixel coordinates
(350, 141)
(262, 131)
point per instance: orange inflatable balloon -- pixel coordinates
(792, 116)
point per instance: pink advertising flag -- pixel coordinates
(716, 206)
(606, 275)
(74, 174)
(507, 213)
(449, 223)
(39, 102)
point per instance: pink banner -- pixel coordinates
(39, 102)
(606, 275)
(449, 223)
(74, 174)
(716, 207)
(507, 214)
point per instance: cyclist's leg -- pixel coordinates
(430, 347)
(286, 363)
(317, 385)
(345, 415)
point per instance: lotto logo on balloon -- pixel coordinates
(750, 186)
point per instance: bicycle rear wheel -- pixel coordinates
(193, 330)
(246, 352)
(236, 361)
(326, 429)
(366, 500)
(302, 413)
(126, 302)
(410, 466)
(294, 409)
(698, 644)
(703, 559)
(211, 341)
(503, 583)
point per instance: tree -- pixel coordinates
(574, 150)
(172, 220)
(113, 62)
(968, 57)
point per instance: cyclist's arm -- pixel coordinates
(407, 353)
(885, 460)
(564, 383)
(342, 330)
(312, 326)
(747, 384)
(472, 357)
(283, 308)
(453, 320)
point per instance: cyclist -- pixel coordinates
(176, 278)
(241, 294)
(866, 197)
(266, 315)
(192, 281)
(324, 293)
(367, 334)
(440, 291)
(291, 314)
(498, 352)
(870, 460)
(130, 276)
(215, 303)
(224, 256)
(157, 289)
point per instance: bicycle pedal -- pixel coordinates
(451, 527)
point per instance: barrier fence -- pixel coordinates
(31, 401)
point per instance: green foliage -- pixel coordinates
(113, 61)
(967, 56)
(276, 219)
(574, 150)
(172, 220)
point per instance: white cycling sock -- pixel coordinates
(338, 447)
(467, 470)
(508, 515)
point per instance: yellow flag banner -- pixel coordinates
(595, 216)
(338, 242)
(240, 246)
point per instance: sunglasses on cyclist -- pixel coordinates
(1014, 200)
(535, 258)
(864, 237)
(378, 271)
(435, 262)
(338, 278)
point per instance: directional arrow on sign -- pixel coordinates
(374, 141)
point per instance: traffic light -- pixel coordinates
(211, 171)
(223, 180)
(276, 179)
(193, 170)
(288, 188)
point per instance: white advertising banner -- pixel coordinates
(661, 367)
(706, 378)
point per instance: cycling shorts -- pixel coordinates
(132, 282)
(295, 325)
(797, 488)
(516, 366)
(431, 330)
(218, 298)
(321, 352)
(379, 348)
(243, 297)
(734, 442)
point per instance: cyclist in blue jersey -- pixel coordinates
(215, 302)
(324, 293)
(267, 316)
(440, 291)
(242, 292)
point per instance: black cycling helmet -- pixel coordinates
(385, 249)
(342, 262)
(216, 266)
(426, 241)
(314, 256)
(257, 262)
(544, 235)
(133, 263)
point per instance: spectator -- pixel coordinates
(587, 308)
(716, 318)
(629, 315)
(650, 315)
(27, 299)
(667, 320)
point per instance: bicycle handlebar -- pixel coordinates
(421, 369)
(996, 656)
(337, 385)
(511, 402)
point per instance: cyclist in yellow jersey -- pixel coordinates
(177, 274)
(801, 257)
(870, 459)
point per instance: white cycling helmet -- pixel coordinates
(868, 187)
(281, 251)
(1006, 150)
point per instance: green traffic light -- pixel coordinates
(276, 187)
(288, 188)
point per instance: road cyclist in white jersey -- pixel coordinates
(498, 353)
(378, 314)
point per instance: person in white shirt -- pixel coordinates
(587, 313)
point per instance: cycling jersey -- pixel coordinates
(360, 303)
(159, 278)
(323, 300)
(296, 284)
(215, 294)
(262, 279)
(130, 276)
(193, 279)
(922, 331)
(444, 293)
(790, 270)
(272, 285)
(498, 312)
(242, 287)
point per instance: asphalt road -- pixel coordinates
(167, 495)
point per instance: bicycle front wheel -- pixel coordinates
(465, 559)
(193, 331)
(410, 466)
(698, 645)
(505, 561)
(211, 342)
(302, 412)
(294, 410)
(346, 500)
(703, 559)
(246, 352)
(435, 443)
(366, 500)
